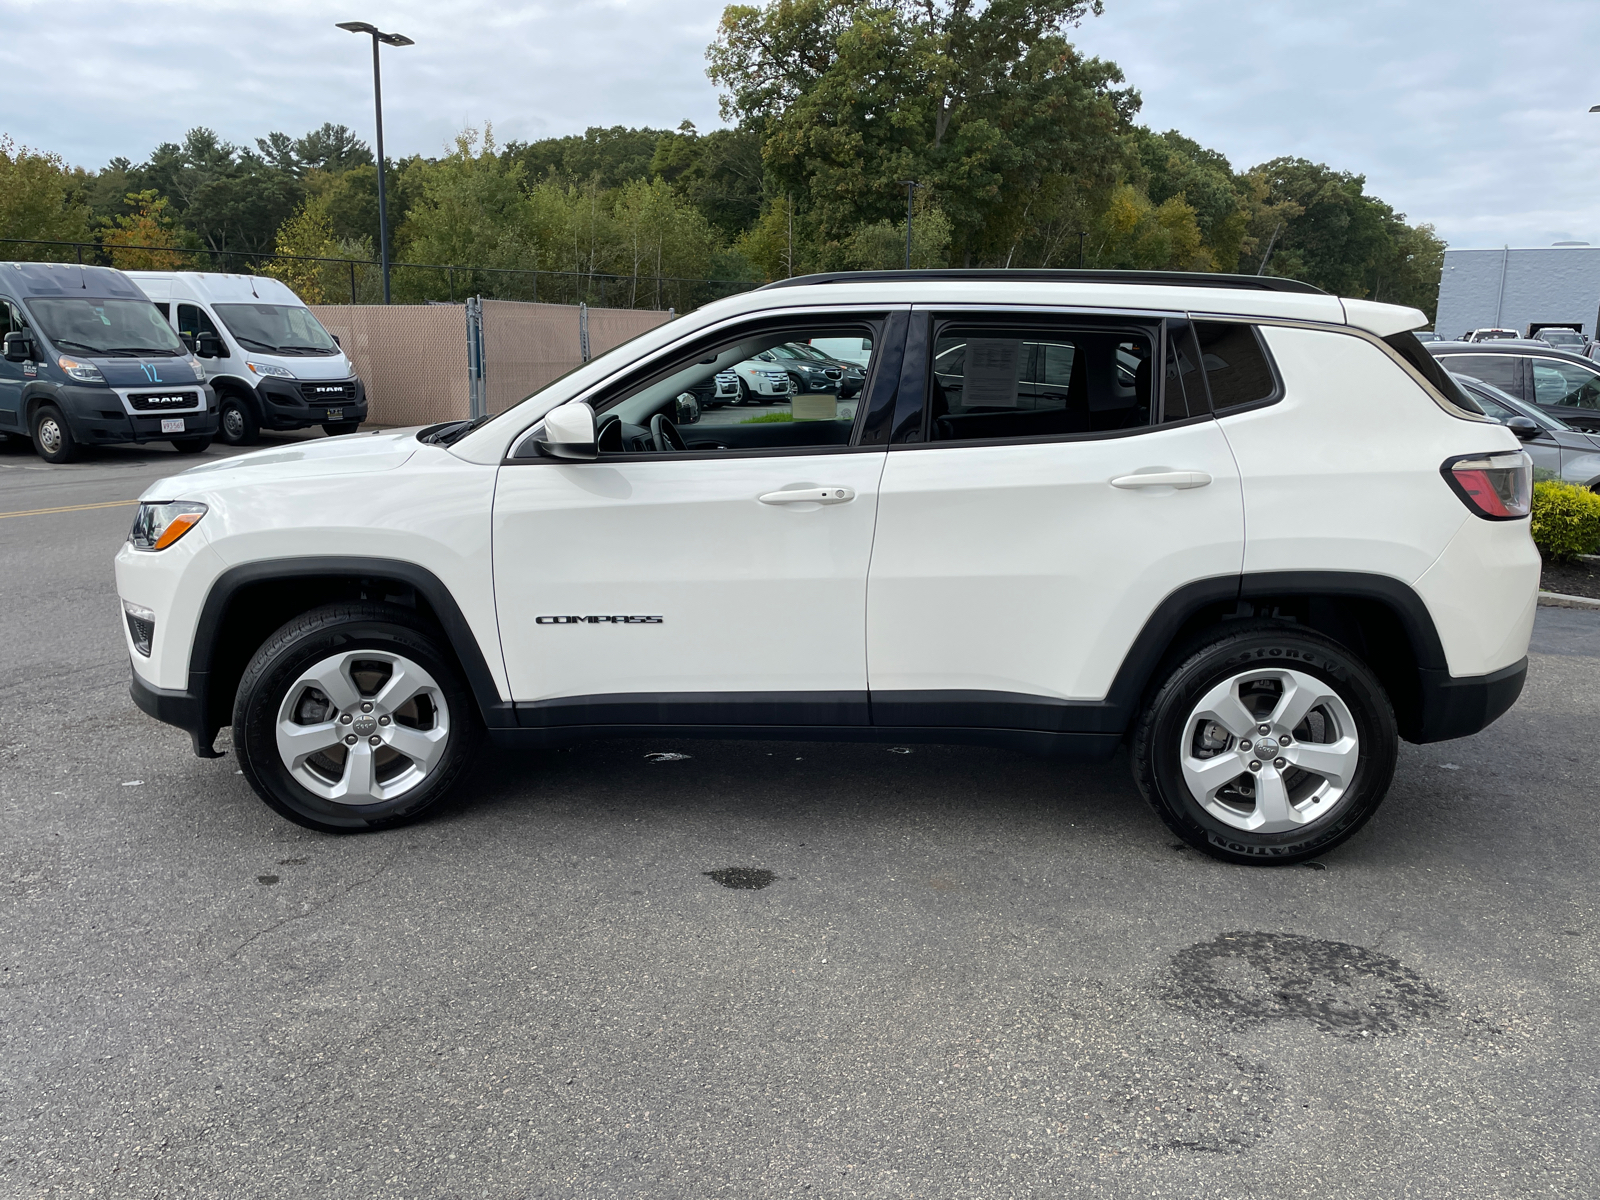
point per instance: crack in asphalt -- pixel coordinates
(311, 912)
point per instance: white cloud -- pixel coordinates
(1460, 112)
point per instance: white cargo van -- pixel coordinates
(270, 361)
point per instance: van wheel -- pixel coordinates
(196, 445)
(339, 428)
(236, 424)
(353, 717)
(1268, 744)
(52, 439)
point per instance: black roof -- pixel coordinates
(1202, 279)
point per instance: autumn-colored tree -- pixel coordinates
(144, 239)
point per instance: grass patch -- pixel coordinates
(768, 419)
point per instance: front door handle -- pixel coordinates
(829, 495)
(1172, 479)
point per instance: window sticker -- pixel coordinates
(990, 379)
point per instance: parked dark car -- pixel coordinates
(1563, 338)
(1558, 450)
(1560, 383)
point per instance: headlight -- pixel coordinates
(194, 365)
(159, 523)
(269, 369)
(87, 372)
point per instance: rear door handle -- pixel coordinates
(1172, 479)
(831, 495)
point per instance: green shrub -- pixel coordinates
(1566, 519)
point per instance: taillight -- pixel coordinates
(1496, 487)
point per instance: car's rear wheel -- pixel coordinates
(1269, 744)
(353, 717)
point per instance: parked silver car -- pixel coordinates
(1558, 450)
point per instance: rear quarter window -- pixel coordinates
(1237, 370)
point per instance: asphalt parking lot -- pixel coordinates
(971, 974)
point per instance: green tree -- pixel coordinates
(981, 103)
(40, 198)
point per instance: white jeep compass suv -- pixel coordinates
(1249, 529)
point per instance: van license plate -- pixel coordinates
(335, 414)
(171, 424)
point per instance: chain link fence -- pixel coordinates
(359, 281)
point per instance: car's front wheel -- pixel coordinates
(236, 422)
(1269, 744)
(353, 717)
(52, 437)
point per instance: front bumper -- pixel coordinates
(293, 404)
(96, 418)
(181, 708)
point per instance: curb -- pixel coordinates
(1559, 600)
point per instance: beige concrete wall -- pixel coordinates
(413, 357)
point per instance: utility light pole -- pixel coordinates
(388, 39)
(911, 186)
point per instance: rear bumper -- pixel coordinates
(1454, 707)
(183, 709)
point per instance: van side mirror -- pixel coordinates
(210, 345)
(19, 347)
(568, 434)
(1526, 428)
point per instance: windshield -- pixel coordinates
(276, 329)
(1502, 407)
(112, 328)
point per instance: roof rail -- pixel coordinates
(1263, 283)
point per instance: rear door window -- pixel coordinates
(994, 381)
(1500, 370)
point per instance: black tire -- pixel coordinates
(195, 445)
(236, 421)
(338, 428)
(746, 395)
(310, 639)
(52, 437)
(1162, 733)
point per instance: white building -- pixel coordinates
(1512, 289)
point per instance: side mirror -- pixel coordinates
(209, 345)
(569, 434)
(1526, 428)
(336, 340)
(19, 347)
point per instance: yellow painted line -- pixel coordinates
(41, 512)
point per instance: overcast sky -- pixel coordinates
(1469, 114)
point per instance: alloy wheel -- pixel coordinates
(1269, 751)
(362, 727)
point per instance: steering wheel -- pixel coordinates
(665, 434)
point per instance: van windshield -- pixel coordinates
(109, 328)
(276, 329)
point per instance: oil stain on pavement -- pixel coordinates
(1247, 978)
